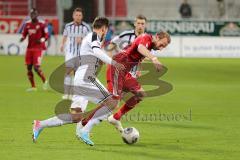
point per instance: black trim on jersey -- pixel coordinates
(129, 40)
(82, 30)
(84, 25)
(70, 31)
(78, 51)
(102, 90)
(95, 47)
(74, 39)
(70, 24)
(126, 34)
(94, 36)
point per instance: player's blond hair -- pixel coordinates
(140, 16)
(163, 34)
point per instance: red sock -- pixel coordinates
(31, 78)
(130, 103)
(40, 74)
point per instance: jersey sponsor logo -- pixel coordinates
(32, 31)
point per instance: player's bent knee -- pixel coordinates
(111, 103)
(75, 110)
(36, 68)
(141, 94)
(76, 118)
(29, 67)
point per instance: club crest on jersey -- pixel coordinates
(32, 31)
(37, 27)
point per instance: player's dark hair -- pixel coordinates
(33, 10)
(100, 22)
(140, 16)
(163, 34)
(78, 9)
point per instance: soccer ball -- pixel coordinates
(130, 135)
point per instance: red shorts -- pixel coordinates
(120, 82)
(33, 56)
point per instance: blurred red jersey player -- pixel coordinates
(36, 31)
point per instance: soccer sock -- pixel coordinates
(40, 73)
(100, 114)
(57, 121)
(67, 84)
(31, 78)
(130, 104)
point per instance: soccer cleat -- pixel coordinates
(79, 127)
(45, 86)
(32, 89)
(37, 129)
(116, 123)
(84, 136)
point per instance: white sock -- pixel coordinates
(57, 121)
(67, 84)
(101, 114)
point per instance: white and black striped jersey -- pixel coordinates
(91, 54)
(74, 31)
(124, 39)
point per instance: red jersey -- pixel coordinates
(131, 57)
(35, 32)
(132, 50)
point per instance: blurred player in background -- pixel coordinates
(37, 35)
(73, 34)
(51, 33)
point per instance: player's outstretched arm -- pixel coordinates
(106, 59)
(63, 43)
(111, 47)
(146, 53)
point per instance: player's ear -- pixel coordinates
(135, 23)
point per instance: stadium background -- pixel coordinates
(203, 68)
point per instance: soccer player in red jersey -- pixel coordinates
(37, 35)
(124, 81)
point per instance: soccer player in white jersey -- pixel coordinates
(73, 34)
(87, 85)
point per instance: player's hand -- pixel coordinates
(42, 40)
(22, 39)
(79, 40)
(62, 48)
(118, 66)
(157, 64)
(38, 41)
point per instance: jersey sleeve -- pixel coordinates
(65, 31)
(45, 31)
(88, 28)
(116, 40)
(145, 40)
(25, 31)
(98, 52)
(86, 31)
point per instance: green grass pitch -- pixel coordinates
(206, 96)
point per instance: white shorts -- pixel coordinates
(72, 61)
(79, 102)
(91, 89)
